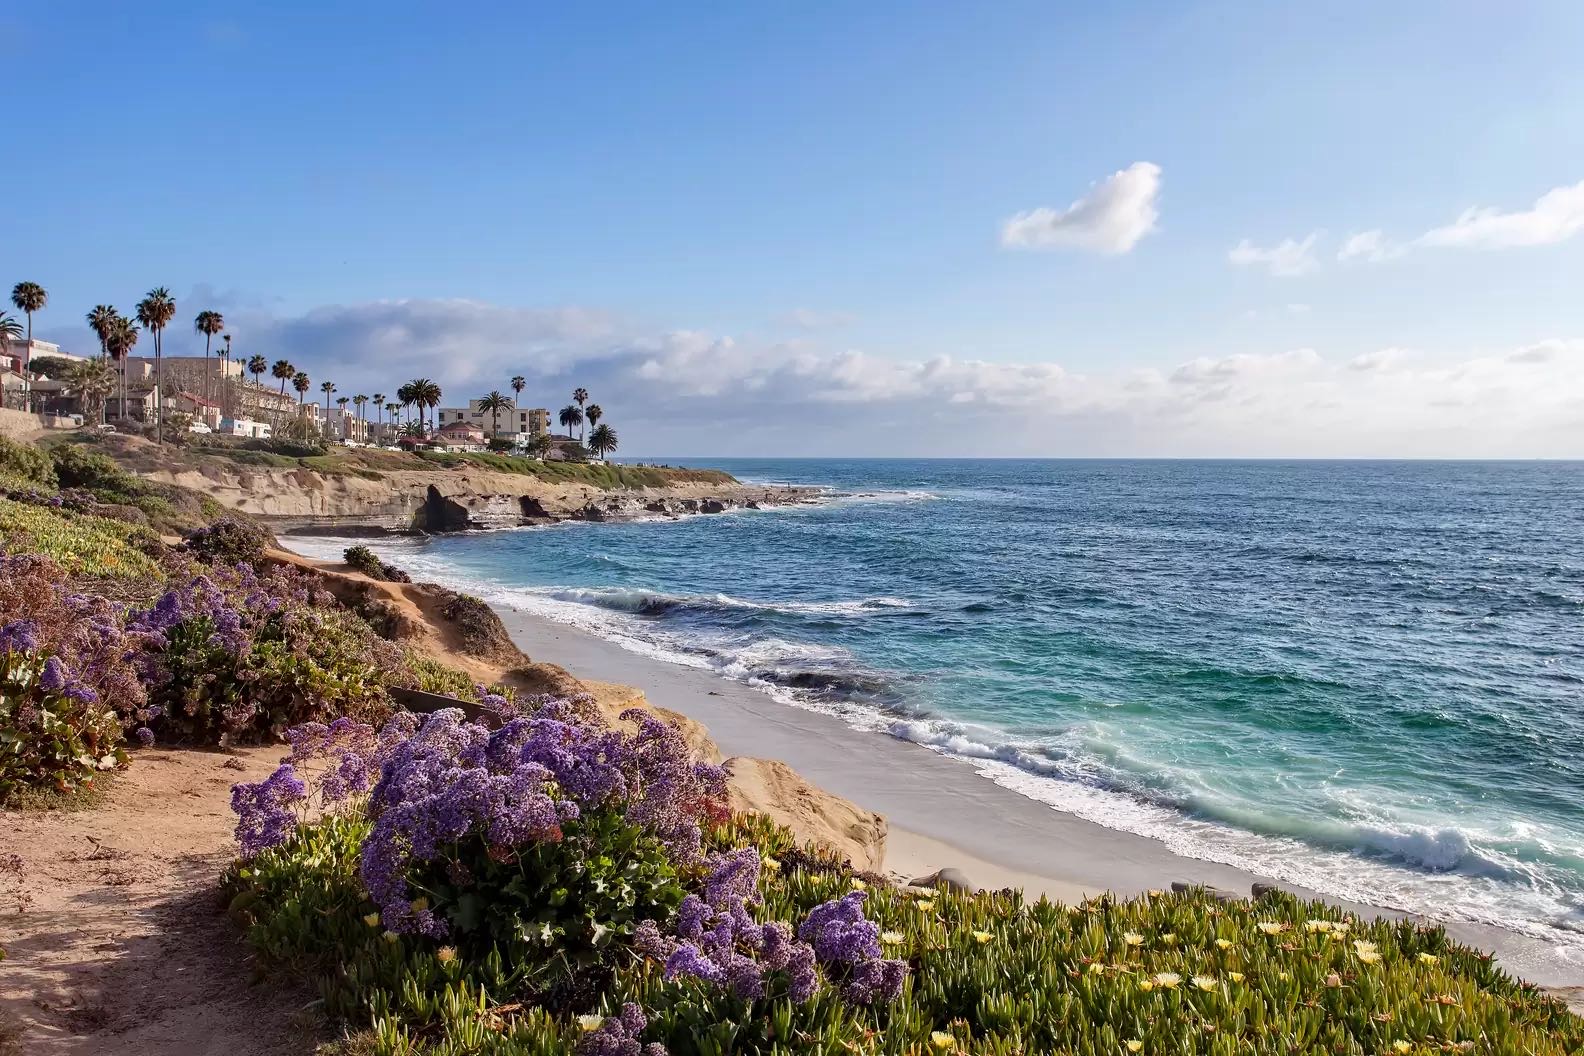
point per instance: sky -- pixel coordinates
(938, 229)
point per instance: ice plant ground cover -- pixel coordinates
(555, 887)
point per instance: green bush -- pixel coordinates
(77, 466)
(54, 733)
(367, 562)
(79, 542)
(26, 462)
(228, 541)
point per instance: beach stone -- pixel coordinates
(948, 879)
(1261, 890)
(1184, 887)
(712, 506)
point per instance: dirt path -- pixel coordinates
(124, 948)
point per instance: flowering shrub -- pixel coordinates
(77, 543)
(26, 463)
(55, 732)
(227, 541)
(234, 654)
(367, 562)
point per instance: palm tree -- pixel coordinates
(285, 372)
(602, 440)
(256, 366)
(518, 383)
(405, 395)
(580, 396)
(494, 403)
(379, 406)
(29, 297)
(225, 375)
(327, 387)
(594, 414)
(300, 382)
(100, 320)
(92, 380)
(393, 409)
(358, 401)
(120, 338)
(10, 330)
(155, 311)
(208, 324)
(570, 416)
(423, 393)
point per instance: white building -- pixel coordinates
(516, 424)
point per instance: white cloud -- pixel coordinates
(1556, 216)
(1372, 246)
(1288, 258)
(694, 392)
(1111, 218)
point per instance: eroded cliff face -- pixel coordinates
(448, 499)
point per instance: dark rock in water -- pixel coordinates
(948, 879)
(533, 509)
(750, 505)
(1183, 887)
(712, 506)
(656, 506)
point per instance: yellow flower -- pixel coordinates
(1369, 956)
(590, 1022)
(1317, 925)
(892, 937)
(1340, 928)
(1402, 1046)
(391, 936)
(1271, 927)
(1133, 938)
(982, 937)
(1333, 980)
(1096, 968)
(942, 1040)
(371, 919)
(1135, 1045)
(1168, 980)
(1155, 893)
(1204, 982)
(859, 885)
(924, 905)
(1283, 976)
(1236, 977)
(770, 863)
(420, 904)
(1428, 958)
(1147, 985)
(1170, 936)
(445, 954)
(1223, 944)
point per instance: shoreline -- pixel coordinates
(942, 813)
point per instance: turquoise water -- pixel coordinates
(1362, 677)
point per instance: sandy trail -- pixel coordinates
(124, 947)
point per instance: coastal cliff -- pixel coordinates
(401, 492)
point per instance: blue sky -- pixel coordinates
(791, 220)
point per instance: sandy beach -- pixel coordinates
(941, 812)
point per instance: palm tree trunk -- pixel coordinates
(207, 338)
(159, 390)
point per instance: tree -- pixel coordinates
(327, 387)
(379, 406)
(594, 414)
(494, 403)
(100, 320)
(92, 381)
(358, 401)
(602, 440)
(539, 445)
(518, 384)
(29, 297)
(155, 312)
(121, 336)
(393, 409)
(285, 372)
(571, 415)
(208, 323)
(256, 366)
(580, 396)
(422, 393)
(225, 375)
(300, 382)
(10, 330)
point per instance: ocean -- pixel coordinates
(1363, 677)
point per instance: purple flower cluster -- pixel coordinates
(716, 940)
(452, 780)
(618, 1036)
(267, 811)
(848, 944)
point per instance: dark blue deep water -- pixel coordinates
(1365, 677)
